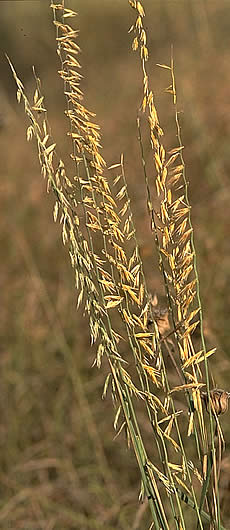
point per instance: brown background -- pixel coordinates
(59, 466)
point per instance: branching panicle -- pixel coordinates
(131, 331)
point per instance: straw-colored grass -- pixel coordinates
(152, 354)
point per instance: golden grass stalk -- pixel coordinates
(173, 232)
(98, 228)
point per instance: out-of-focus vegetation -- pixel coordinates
(59, 466)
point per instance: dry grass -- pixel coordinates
(117, 300)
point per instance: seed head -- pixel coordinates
(219, 401)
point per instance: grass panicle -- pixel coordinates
(94, 210)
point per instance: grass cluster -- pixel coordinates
(152, 354)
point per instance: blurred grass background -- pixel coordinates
(59, 466)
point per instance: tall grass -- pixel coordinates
(149, 363)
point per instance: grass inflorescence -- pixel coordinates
(153, 355)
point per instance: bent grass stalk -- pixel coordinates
(98, 228)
